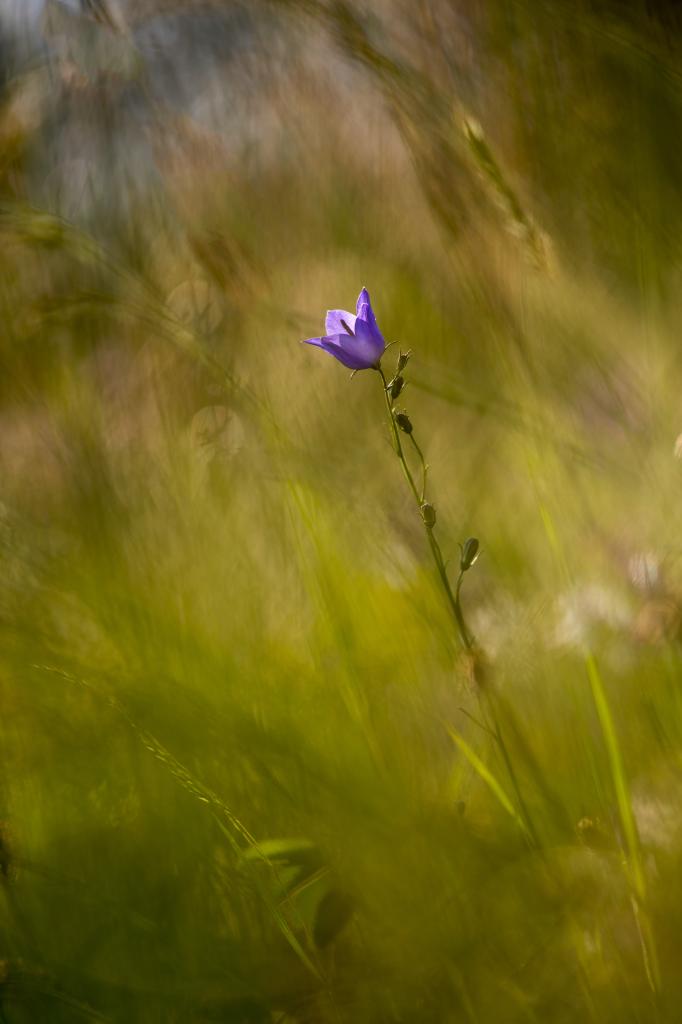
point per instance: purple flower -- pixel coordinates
(355, 341)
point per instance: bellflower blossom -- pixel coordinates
(355, 341)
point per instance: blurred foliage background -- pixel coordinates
(244, 773)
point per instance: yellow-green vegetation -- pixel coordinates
(251, 773)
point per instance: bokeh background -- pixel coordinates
(245, 776)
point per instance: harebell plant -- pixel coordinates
(357, 342)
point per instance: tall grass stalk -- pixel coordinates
(633, 854)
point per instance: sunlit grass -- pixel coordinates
(250, 773)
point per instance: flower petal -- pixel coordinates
(369, 340)
(344, 347)
(333, 325)
(366, 313)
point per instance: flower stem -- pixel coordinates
(452, 598)
(396, 439)
(486, 699)
(425, 468)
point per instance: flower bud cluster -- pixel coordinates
(395, 387)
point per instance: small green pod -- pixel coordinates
(469, 554)
(396, 386)
(404, 422)
(402, 361)
(428, 514)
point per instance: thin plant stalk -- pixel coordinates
(454, 603)
(633, 853)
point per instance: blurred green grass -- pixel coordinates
(220, 625)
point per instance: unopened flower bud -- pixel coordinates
(428, 514)
(469, 554)
(396, 386)
(404, 422)
(402, 361)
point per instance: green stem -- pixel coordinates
(396, 439)
(424, 466)
(453, 598)
(489, 711)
